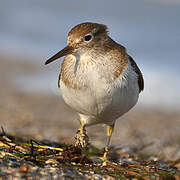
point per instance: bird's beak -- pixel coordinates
(67, 50)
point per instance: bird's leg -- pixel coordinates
(110, 129)
(81, 137)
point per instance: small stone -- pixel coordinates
(25, 168)
(52, 161)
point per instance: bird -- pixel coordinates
(98, 79)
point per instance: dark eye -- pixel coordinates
(88, 37)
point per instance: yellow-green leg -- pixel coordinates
(81, 136)
(110, 129)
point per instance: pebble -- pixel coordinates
(52, 161)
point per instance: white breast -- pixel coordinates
(103, 102)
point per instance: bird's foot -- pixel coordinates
(104, 158)
(81, 138)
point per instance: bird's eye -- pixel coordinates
(88, 37)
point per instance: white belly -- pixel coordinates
(103, 102)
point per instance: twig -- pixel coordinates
(32, 147)
(139, 166)
(41, 146)
(3, 132)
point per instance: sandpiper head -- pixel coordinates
(86, 34)
(82, 37)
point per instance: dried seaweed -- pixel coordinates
(30, 158)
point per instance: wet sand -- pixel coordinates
(45, 116)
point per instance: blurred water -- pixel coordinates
(150, 29)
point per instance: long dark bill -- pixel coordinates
(67, 50)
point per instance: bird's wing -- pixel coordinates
(59, 80)
(140, 76)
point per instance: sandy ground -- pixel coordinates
(45, 116)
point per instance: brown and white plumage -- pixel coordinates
(98, 79)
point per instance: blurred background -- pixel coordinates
(32, 31)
